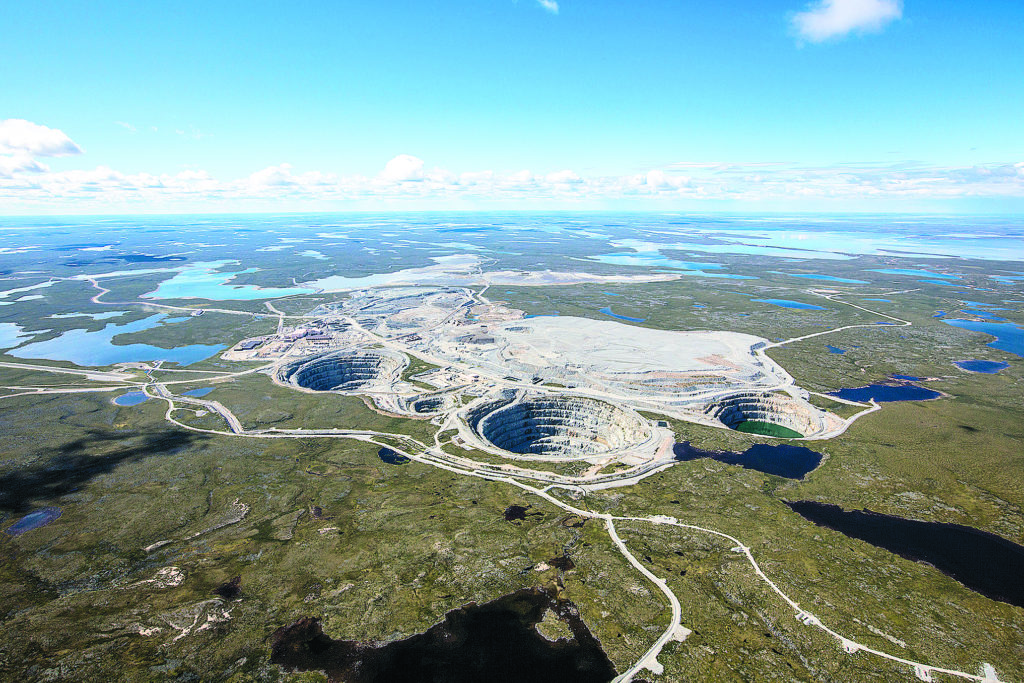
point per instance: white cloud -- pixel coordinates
(24, 137)
(563, 177)
(19, 163)
(826, 19)
(404, 167)
(127, 126)
(549, 5)
(28, 186)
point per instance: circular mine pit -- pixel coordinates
(343, 370)
(777, 415)
(562, 427)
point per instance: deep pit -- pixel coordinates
(561, 427)
(343, 370)
(776, 415)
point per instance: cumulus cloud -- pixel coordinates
(26, 184)
(566, 177)
(19, 163)
(549, 5)
(403, 168)
(18, 136)
(827, 19)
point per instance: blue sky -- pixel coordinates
(836, 105)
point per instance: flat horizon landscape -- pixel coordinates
(512, 340)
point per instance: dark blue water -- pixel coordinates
(834, 349)
(907, 378)
(34, 520)
(608, 311)
(939, 314)
(1009, 337)
(886, 393)
(943, 283)
(984, 562)
(132, 398)
(988, 367)
(888, 301)
(786, 303)
(783, 460)
(541, 315)
(391, 457)
(198, 393)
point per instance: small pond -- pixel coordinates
(988, 367)
(197, 393)
(391, 457)
(608, 311)
(834, 349)
(786, 303)
(34, 520)
(131, 398)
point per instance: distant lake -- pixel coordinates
(912, 272)
(886, 393)
(984, 562)
(86, 348)
(1009, 336)
(827, 278)
(834, 349)
(206, 281)
(988, 367)
(608, 311)
(786, 303)
(198, 393)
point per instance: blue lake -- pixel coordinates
(907, 378)
(943, 283)
(541, 315)
(132, 398)
(97, 348)
(988, 367)
(939, 314)
(34, 520)
(611, 293)
(204, 281)
(198, 393)
(12, 334)
(783, 460)
(912, 272)
(887, 301)
(886, 393)
(982, 314)
(834, 349)
(1009, 337)
(786, 303)
(608, 311)
(827, 278)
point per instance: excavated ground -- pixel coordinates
(561, 426)
(342, 370)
